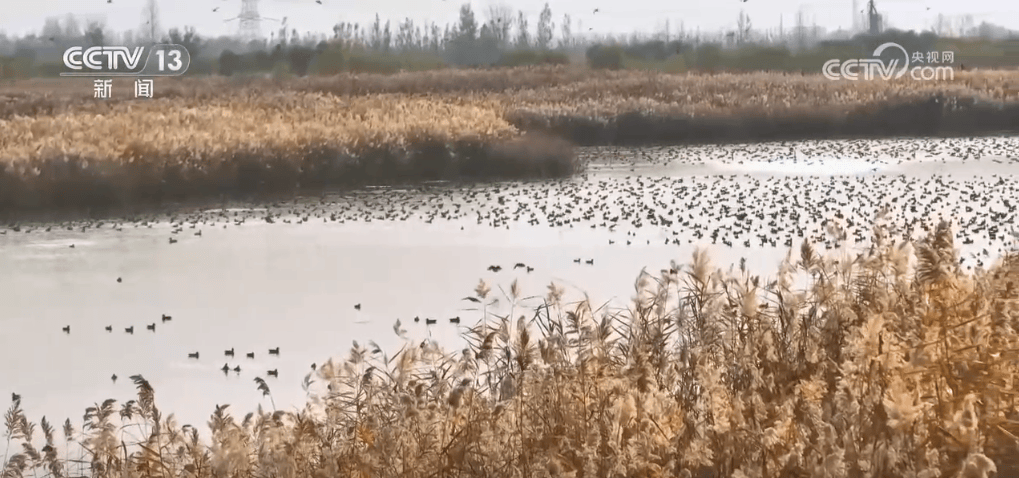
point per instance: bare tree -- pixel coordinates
(501, 18)
(71, 27)
(566, 37)
(94, 33)
(523, 39)
(743, 28)
(150, 19)
(545, 28)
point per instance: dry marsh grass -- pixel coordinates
(125, 152)
(210, 137)
(890, 362)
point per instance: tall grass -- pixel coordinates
(890, 362)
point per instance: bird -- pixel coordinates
(109, 328)
(455, 320)
(215, 9)
(151, 326)
(472, 299)
(577, 260)
(530, 269)
(357, 306)
(518, 265)
(495, 268)
(275, 351)
(430, 321)
(129, 330)
(595, 10)
(119, 280)
(173, 241)
(229, 353)
(590, 261)
(167, 318)
(237, 369)
(318, 2)
(273, 373)
(251, 355)
(67, 329)
(109, 1)
(194, 355)
(225, 369)
(72, 246)
(313, 366)
(15, 397)
(114, 378)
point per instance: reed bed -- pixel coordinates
(209, 137)
(890, 362)
(124, 153)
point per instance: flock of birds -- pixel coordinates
(192, 355)
(676, 207)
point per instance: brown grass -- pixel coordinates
(891, 362)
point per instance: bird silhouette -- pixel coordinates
(215, 9)
(109, 328)
(67, 329)
(357, 306)
(225, 369)
(275, 351)
(114, 378)
(151, 326)
(119, 280)
(194, 355)
(251, 355)
(229, 353)
(15, 397)
(273, 373)
(129, 330)
(472, 299)
(455, 320)
(167, 318)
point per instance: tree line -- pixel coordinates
(504, 38)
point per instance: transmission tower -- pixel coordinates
(249, 21)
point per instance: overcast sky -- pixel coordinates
(25, 16)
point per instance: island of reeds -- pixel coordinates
(890, 361)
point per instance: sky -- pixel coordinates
(18, 17)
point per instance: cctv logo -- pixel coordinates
(105, 58)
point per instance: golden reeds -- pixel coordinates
(871, 370)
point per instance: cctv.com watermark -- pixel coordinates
(894, 68)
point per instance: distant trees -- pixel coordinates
(94, 34)
(189, 39)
